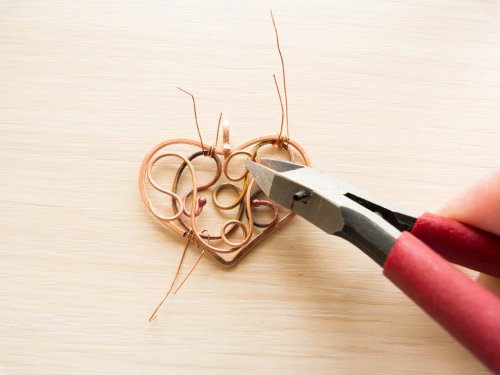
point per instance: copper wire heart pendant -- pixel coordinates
(175, 215)
(184, 221)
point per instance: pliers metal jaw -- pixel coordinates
(332, 205)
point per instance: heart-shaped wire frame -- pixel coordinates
(231, 255)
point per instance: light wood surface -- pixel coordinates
(401, 98)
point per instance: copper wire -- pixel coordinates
(263, 202)
(202, 200)
(228, 161)
(166, 191)
(284, 76)
(174, 279)
(195, 115)
(216, 177)
(211, 150)
(239, 224)
(279, 143)
(218, 129)
(195, 263)
(218, 189)
(191, 270)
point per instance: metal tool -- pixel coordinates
(401, 244)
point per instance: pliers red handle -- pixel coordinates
(402, 244)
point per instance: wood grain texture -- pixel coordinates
(400, 98)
